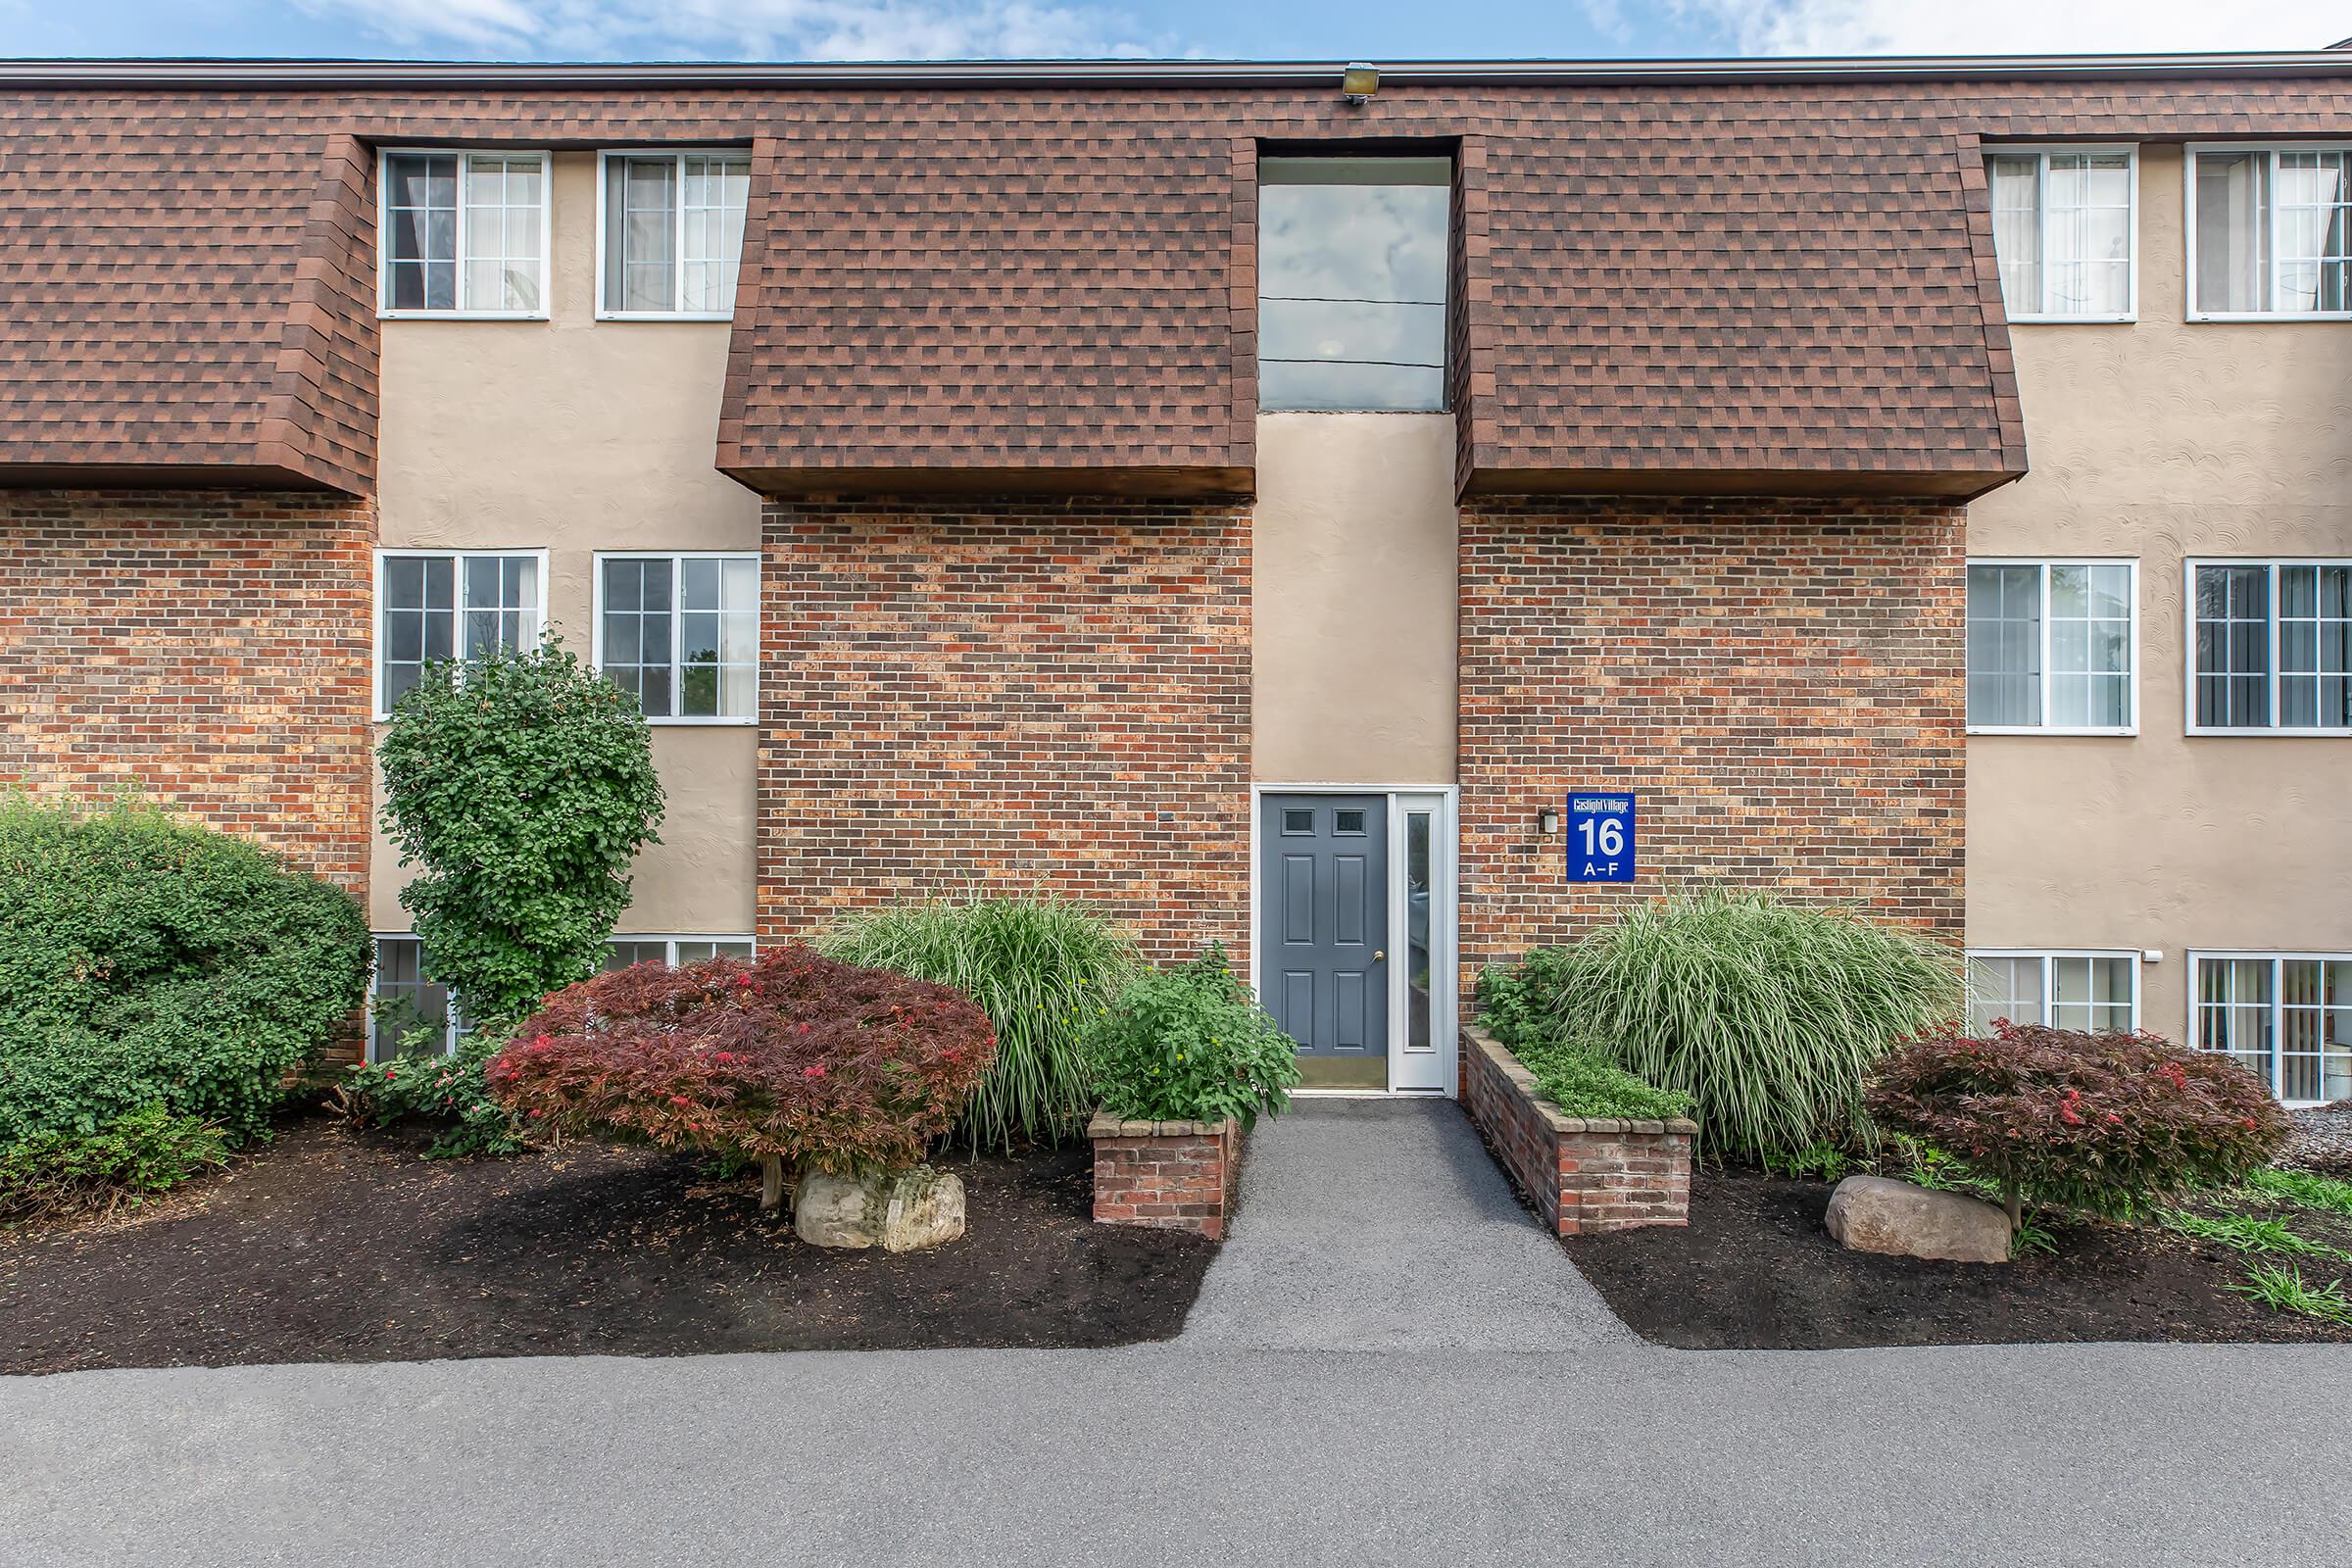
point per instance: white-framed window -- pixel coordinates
(2271, 652)
(669, 233)
(2270, 231)
(2053, 646)
(403, 999)
(2089, 990)
(2064, 226)
(680, 632)
(440, 604)
(463, 233)
(621, 952)
(2285, 1016)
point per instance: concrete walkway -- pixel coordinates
(1357, 1385)
(1384, 1225)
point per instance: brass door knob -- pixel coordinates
(1380, 956)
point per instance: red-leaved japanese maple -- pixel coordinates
(790, 1060)
(2105, 1122)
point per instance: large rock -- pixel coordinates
(1874, 1215)
(900, 1213)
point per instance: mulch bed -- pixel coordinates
(1755, 1270)
(328, 1246)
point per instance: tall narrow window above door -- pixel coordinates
(671, 238)
(1351, 266)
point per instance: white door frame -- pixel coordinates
(1410, 1070)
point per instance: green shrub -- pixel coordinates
(1583, 1081)
(1768, 1014)
(2107, 1123)
(522, 785)
(1189, 1044)
(1042, 970)
(423, 1084)
(145, 1152)
(150, 962)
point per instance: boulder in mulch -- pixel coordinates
(1878, 1214)
(902, 1211)
(2322, 1139)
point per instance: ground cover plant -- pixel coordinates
(1191, 1044)
(1767, 1015)
(521, 785)
(2109, 1124)
(151, 969)
(56, 1173)
(791, 1060)
(1042, 970)
(444, 1089)
(1578, 1078)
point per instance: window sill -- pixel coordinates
(702, 724)
(665, 315)
(2110, 732)
(2127, 319)
(2257, 318)
(2271, 733)
(461, 316)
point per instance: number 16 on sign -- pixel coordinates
(1600, 837)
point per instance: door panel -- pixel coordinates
(1324, 922)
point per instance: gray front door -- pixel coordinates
(1323, 932)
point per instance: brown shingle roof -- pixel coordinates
(1760, 284)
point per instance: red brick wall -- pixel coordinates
(1173, 1180)
(210, 650)
(1583, 1176)
(1780, 681)
(1007, 695)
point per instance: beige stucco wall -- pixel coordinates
(2163, 440)
(1353, 609)
(576, 435)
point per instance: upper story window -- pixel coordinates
(2062, 229)
(681, 632)
(1352, 265)
(2270, 231)
(465, 235)
(434, 604)
(2274, 647)
(2094, 992)
(671, 233)
(2053, 646)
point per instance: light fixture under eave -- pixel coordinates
(1359, 81)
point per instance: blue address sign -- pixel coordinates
(1601, 836)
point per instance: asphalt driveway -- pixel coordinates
(1295, 1422)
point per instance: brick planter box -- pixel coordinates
(1178, 1175)
(1585, 1174)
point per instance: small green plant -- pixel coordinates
(1582, 1082)
(1042, 970)
(1768, 1014)
(1189, 1044)
(127, 1160)
(521, 785)
(423, 1084)
(2247, 1233)
(2304, 1189)
(2281, 1287)
(1822, 1161)
(2031, 1235)
(1907, 1158)
(146, 960)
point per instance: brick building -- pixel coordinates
(1270, 513)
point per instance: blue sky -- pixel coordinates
(1315, 29)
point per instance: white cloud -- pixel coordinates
(2009, 26)
(766, 30)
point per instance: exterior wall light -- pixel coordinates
(1358, 82)
(1547, 821)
